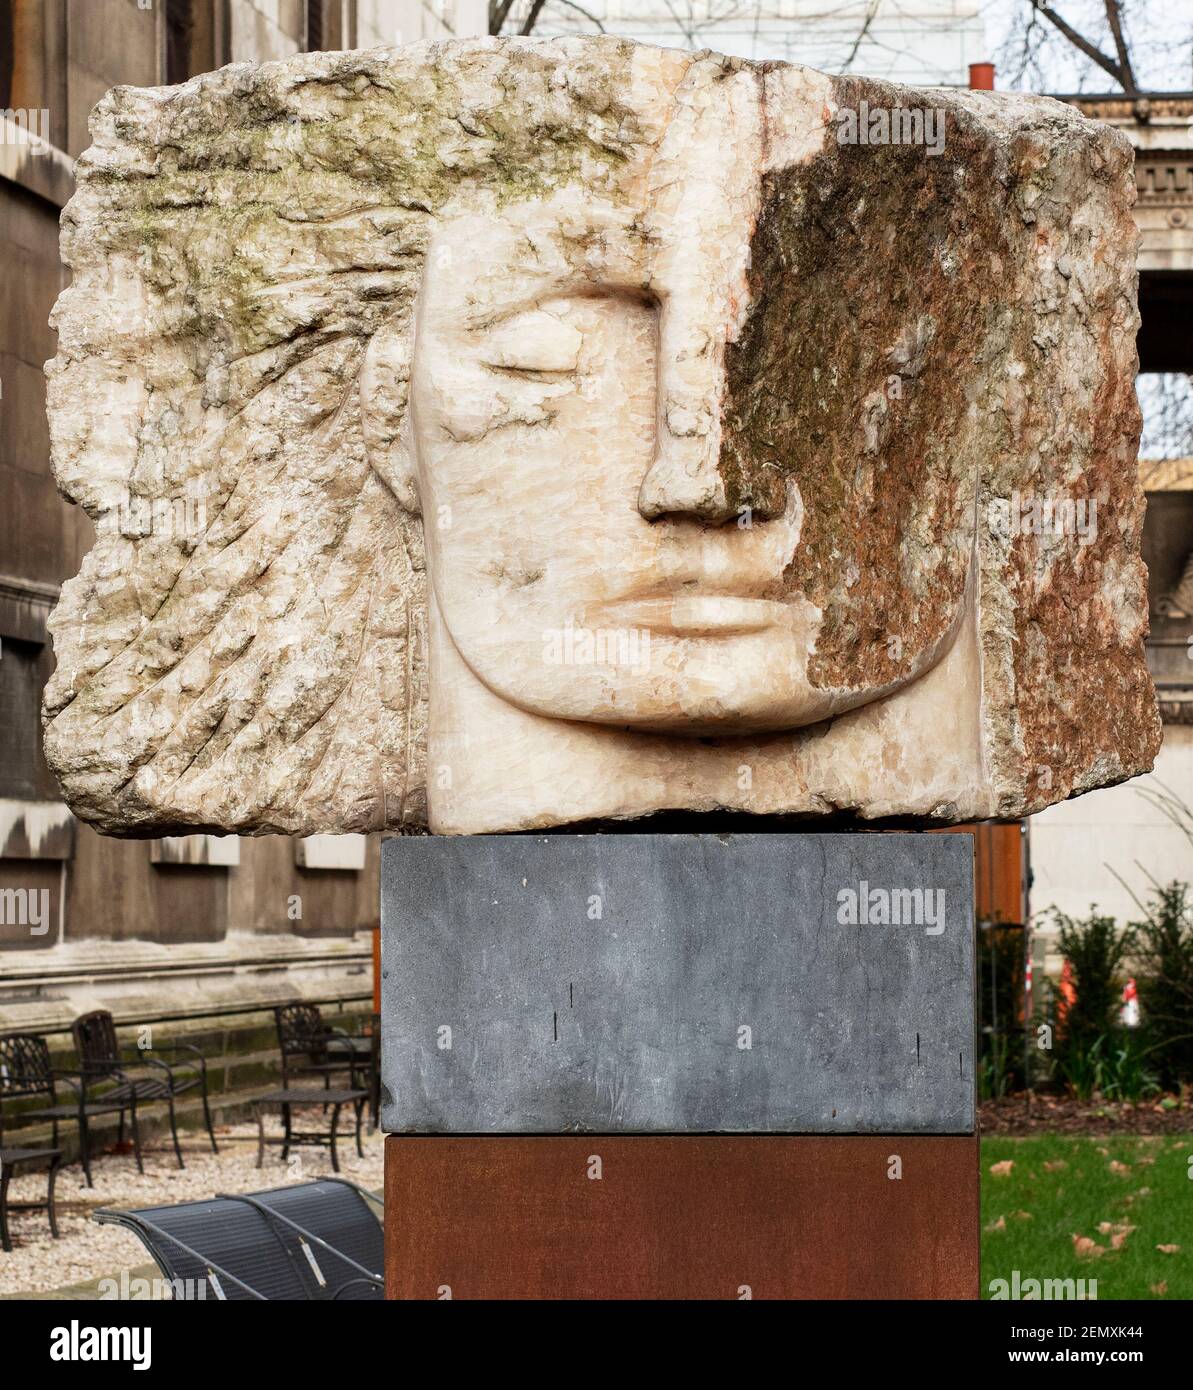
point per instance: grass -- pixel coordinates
(1059, 1187)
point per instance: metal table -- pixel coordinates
(289, 1097)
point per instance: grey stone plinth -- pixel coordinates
(678, 984)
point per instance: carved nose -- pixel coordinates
(683, 478)
(686, 477)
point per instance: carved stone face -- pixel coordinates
(534, 404)
(581, 430)
(583, 557)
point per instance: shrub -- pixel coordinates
(1090, 1050)
(1112, 1066)
(1000, 1010)
(1163, 954)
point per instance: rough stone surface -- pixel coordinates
(677, 984)
(510, 433)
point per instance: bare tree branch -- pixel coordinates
(871, 11)
(688, 33)
(535, 10)
(498, 12)
(1078, 41)
(1114, 16)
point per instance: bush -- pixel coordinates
(1000, 1059)
(1163, 954)
(1088, 1038)
(1096, 951)
(1000, 1011)
(1112, 1066)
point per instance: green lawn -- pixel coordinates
(1059, 1187)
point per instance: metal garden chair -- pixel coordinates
(142, 1079)
(312, 1047)
(26, 1073)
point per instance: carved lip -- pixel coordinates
(693, 615)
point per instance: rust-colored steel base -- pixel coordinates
(707, 1216)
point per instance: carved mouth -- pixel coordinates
(693, 615)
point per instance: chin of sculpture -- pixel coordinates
(504, 434)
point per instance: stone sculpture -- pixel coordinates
(508, 433)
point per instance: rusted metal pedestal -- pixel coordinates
(694, 1067)
(682, 1216)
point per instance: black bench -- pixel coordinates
(316, 1241)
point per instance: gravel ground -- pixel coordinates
(88, 1251)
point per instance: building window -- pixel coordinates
(325, 25)
(7, 53)
(314, 26)
(23, 773)
(180, 27)
(1166, 471)
(33, 63)
(192, 39)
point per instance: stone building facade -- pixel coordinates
(191, 928)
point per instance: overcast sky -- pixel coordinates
(1159, 34)
(1029, 52)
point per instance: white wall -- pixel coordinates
(927, 42)
(1075, 845)
(408, 21)
(263, 30)
(269, 29)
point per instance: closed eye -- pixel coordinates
(534, 342)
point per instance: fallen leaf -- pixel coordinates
(1168, 1249)
(1086, 1249)
(1118, 1231)
(1055, 1167)
(1104, 1152)
(1021, 1216)
(1161, 1288)
(1119, 1169)
(1003, 1169)
(1145, 1161)
(999, 1225)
